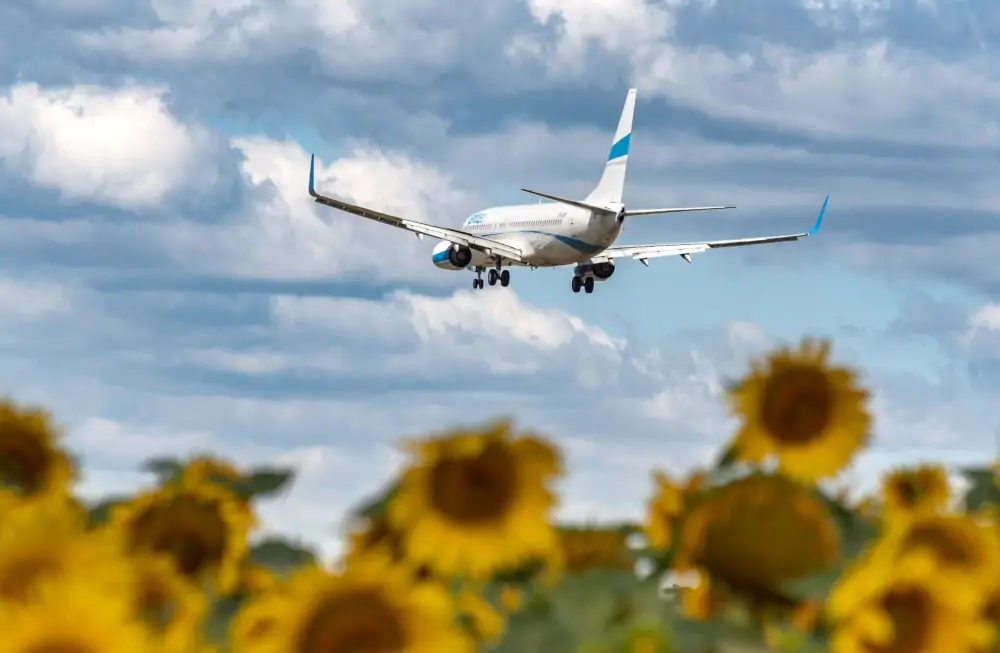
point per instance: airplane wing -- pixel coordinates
(643, 252)
(489, 247)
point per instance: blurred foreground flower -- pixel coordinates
(921, 488)
(202, 528)
(812, 417)
(370, 606)
(31, 462)
(476, 502)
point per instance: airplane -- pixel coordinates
(560, 232)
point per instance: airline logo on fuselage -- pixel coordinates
(477, 218)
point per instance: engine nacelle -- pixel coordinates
(451, 256)
(601, 271)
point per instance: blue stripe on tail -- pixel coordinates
(620, 148)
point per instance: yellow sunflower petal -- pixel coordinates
(168, 602)
(810, 416)
(370, 605)
(919, 489)
(31, 460)
(475, 502)
(42, 541)
(72, 616)
(203, 528)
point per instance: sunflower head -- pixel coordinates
(31, 462)
(475, 502)
(168, 602)
(256, 579)
(202, 528)
(796, 407)
(371, 605)
(957, 554)
(922, 488)
(908, 616)
(483, 620)
(45, 541)
(756, 532)
(253, 626)
(72, 616)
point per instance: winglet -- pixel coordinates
(312, 175)
(819, 218)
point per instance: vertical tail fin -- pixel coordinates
(612, 183)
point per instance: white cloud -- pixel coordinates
(872, 88)
(981, 339)
(119, 146)
(288, 236)
(29, 300)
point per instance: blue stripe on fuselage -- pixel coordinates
(576, 244)
(620, 148)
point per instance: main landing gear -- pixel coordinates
(503, 276)
(587, 284)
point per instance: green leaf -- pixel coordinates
(728, 457)
(376, 506)
(261, 482)
(216, 625)
(165, 469)
(280, 555)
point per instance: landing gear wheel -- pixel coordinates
(588, 285)
(577, 283)
(477, 284)
(492, 278)
(505, 278)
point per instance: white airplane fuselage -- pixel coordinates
(548, 235)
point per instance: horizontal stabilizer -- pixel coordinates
(638, 212)
(576, 203)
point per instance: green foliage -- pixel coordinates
(374, 507)
(280, 556)
(983, 488)
(100, 512)
(165, 469)
(260, 482)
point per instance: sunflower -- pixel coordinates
(43, 541)
(922, 488)
(907, 616)
(582, 549)
(209, 469)
(957, 555)
(203, 528)
(167, 601)
(662, 511)
(811, 416)
(473, 503)
(756, 532)
(31, 461)
(72, 617)
(370, 606)
(252, 628)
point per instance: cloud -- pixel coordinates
(118, 146)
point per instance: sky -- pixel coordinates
(167, 286)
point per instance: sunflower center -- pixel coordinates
(908, 491)
(475, 489)
(355, 622)
(797, 405)
(23, 464)
(910, 612)
(947, 544)
(187, 528)
(18, 580)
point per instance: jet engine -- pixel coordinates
(452, 256)
(601, 271)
